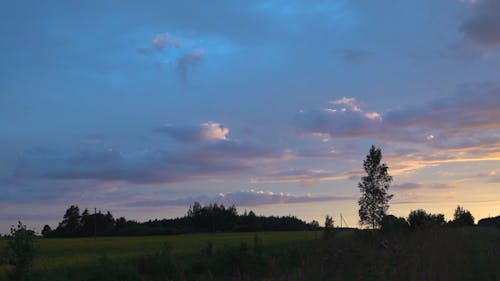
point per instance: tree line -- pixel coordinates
(373, 207)
(199, 218)
(420, 220)
(375, 197)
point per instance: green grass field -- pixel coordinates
(469, 253)
(68, 252)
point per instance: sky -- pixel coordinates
(142, 108)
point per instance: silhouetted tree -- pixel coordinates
(121, 223)
(253, 224)
(212, 217)
(420, 219)
(391, 224)
(313, 225)
(46, 231)
(328, 222)
(70, 225)
(374, 200)
(462, 217)
(86, 224)
(328, 230)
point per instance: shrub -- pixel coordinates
(392, 224)
(21, 250)
(420, 219)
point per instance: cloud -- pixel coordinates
(406, 186)
(146, 166)
(483, 23)
(165, 40)
(241, 198)
(466, 119)
(345, 120)
(411, 186)
(462, 126)
(459, 128)
(305, 176)
(317, 152)
(480, 30)
(187, 54)
(492, 176)
(189, 60)
(209, 131)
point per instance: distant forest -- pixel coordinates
(208, 218)
(218, 218)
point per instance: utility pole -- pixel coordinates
(342, 220)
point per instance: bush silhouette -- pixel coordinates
(392, 224)
(420, 219)
(462, 217)
(21, 250)
(495, 221)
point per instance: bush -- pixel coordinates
(420, 219)
(21, 250)
(392, 224)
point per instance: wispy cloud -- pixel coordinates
(209, 131)
(305, 176)
(460, 128)
(346, 119)
(204, 151)
(160, 166)
(164, 40)
(413, 186)
(241, 198)
(444, 122)
(187, 54)
(190, 60)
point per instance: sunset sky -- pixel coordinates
(143, 108)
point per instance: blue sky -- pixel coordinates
(142, 108)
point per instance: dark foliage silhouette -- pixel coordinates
(209, 218)
(46, 231)
(420, 219)
(462, 217)
(495, 221)
(393, 224)
(374, 200)
(328, 222)
(70, 225)
(20, 251)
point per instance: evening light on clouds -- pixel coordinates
(143, 108)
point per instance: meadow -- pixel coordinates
(447, 253)
(61, 253)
